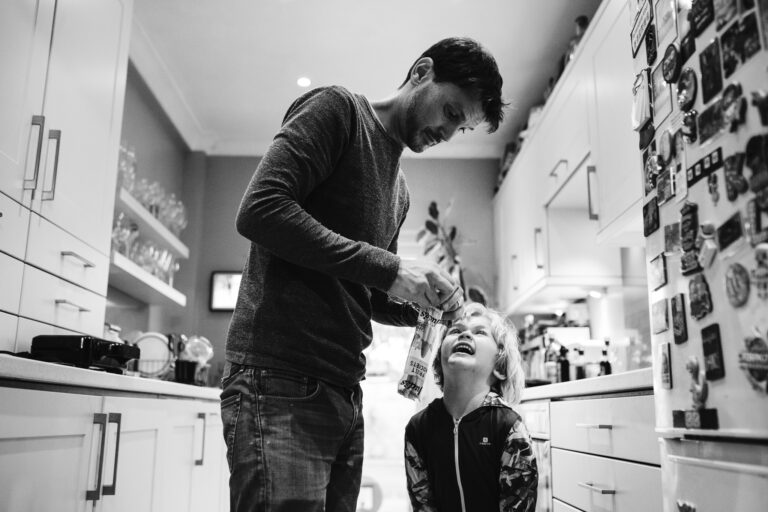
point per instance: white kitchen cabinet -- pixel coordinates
(619, 175)
(14, 225)
(8, 325)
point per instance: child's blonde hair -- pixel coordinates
(508, 360)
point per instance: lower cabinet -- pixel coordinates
(75, 452)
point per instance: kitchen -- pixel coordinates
(572, 253)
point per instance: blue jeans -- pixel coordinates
(294, 443)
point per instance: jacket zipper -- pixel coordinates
(456, 461)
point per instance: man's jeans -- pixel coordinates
(294, 443)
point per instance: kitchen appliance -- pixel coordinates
(83, 351)
(704, 150)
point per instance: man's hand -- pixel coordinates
(422, 282)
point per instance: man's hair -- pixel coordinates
(464, 62)
(508, 360)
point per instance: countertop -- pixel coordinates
(31, 371)
(626, 381)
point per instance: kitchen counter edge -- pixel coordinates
(620, 382)
(39, 372)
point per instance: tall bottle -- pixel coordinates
(550, 361)
(580, 365)
(563, 366)
(605, 364)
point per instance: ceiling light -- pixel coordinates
(304, 82)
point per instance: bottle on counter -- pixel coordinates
(605, 364)
(580, 365)
(563, 366)
(550, 361)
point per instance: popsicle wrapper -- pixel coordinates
(429, 332)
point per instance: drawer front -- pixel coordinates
(52, 300)
(60, 253)
(536, 417)
(11, 271)
(28, 329)
(586, 481)
(8, 325)
(618, 427)
(559, 506)
(14, 224)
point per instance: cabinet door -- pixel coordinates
(83, 109)
(48, 442)
(619, 177)
(210, 477)
(25, 36)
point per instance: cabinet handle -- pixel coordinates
(592, 487)
(591, 176)
(72, 254)
(515, 275)
(95, 494)
(199, 462)
(109, 490)
(720, 465)
(537, 232)
(70, 303)
(594, 425)
(553, 172)
(48, 195)
(31, 184)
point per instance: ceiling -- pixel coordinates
(225, 70)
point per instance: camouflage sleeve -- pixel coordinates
(419, 489)
(519, 476)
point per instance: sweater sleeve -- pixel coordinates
(419, 489)
(519, 476)
(303, 155)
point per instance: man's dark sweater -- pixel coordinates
(323, 212)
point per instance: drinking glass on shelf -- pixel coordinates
(126, 167)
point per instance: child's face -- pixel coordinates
(469, 346)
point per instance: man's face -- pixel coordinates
(436, 111)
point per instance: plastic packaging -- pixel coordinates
(429, 332)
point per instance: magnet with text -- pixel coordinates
(679, 323)
(701, 298)
(642, 21)
(754, 361)
(650, 217)
(729, 231)
(737, 284)
(713, 352)
(701, 15)
(665, 366)
(687, 47)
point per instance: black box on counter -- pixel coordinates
(83, 351)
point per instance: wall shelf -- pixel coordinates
(149, 227)
(131, 279)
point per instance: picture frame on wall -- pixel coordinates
(225, 285)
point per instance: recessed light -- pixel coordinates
(304, 82)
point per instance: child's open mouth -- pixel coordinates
(463, 348)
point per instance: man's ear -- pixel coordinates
(422, 69)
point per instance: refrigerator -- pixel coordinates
(700, 110)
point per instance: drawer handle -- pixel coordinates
(72, 254)
(70, 303)
(592, 487)
(594, 425)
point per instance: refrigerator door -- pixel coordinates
(702, 476)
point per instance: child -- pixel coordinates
(469, 450)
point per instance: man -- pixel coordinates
(323, 211)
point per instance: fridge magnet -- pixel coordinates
(651, 169)
(651, 52)
(711, 121)
(756, 158)
(679, 327)
(664, 190)
(650, 217)
(698, 416)
(706, 244)
(764, 18)
(665, 20)
(665, 368)
(701, 299)
(713, 352)
(737, 284)
(689, 263)
(714, 192)
(760, 273)
(679, 143)
(662, 96)
(642, 21)
(659, 318)
(641, 100)
(672, 238)
(725, 11)
(734, 106)
(681, 183)
(750, 37)
(754, 362)
(685, 506)
(735, 182)
(686, 89)
(646, 135)
(729, 231)
(760, 101)
(657, 272)
(756, 223)
(689, 225)
(711, 77)
(670, 64)
(687, 47)
(730, 49)
(701, 15)
(666, 147)
(689, 126)
(695, 173)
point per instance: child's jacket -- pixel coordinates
(492, 448)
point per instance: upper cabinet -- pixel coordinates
(63, 81)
